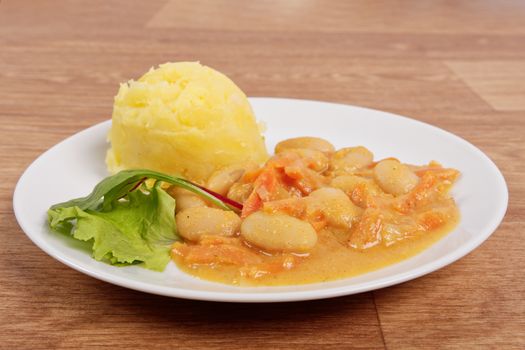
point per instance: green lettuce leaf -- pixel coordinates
(138, 228)
(126, 221)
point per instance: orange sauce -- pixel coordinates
(329, 260)
(360, 215)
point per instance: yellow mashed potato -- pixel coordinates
(183, 119)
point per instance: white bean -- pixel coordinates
(347, 160)
(308, 142)
(239, 191)
(193, 223)
(314, 159)
(348, 183)
(222, 180)
(185, 199)
(334, 206)
(395, 178)
(278, 232)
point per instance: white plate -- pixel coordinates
(71, 169)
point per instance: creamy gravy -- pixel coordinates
(329, 260)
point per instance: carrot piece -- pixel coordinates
(367, 232)
(441, 173)
(264, 186)
(431, 220)
(216, 250)
(282, 176)
(251, 205)
(421, 194)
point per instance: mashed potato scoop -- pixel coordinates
(183, 119)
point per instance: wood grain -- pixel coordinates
(499, 83)
(343, 16)
(458, 65)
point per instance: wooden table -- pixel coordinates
(459, 65)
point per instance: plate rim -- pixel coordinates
(258, 297)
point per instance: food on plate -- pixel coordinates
(200, 190)
(303, 216)
(313, 213)
(183, 119)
